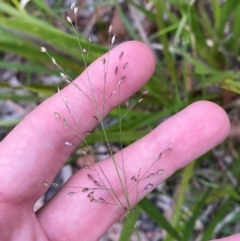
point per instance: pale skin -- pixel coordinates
(34, 152)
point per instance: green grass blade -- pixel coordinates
(150, 15)
(189, 226)
(36, 28)
(27, 68)
(10, 123)
(232, 85)
(157, 217)
(129, 225)
(126, 23)
(226, 10)
(181, 194)
(215, 220)
(128, 136)
(167, 55)
(234, 43)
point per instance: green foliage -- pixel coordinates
(157, 216)
(200, 44)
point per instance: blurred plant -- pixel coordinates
(196, 44)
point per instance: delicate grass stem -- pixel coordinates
(97, 176)
(111, 40)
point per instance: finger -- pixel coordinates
(235, 237)
(35, 150)
(194, 131)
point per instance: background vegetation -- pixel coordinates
(196, 44)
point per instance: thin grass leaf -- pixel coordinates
(216, 12)
(42, 90)
(150, 15)
(226, 9)
(180, 29)
(127, 136)
(167, 55)
(27, 68)
(10, 123)
(232, 85)
(190, 224)
(181, 194)
(42, 6)
(234, 42)
(15, 97)
(126, 22)
(36, 28)
(157, 217)
(208, 233)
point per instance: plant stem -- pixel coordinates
(180, 196)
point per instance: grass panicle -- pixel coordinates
(97, 176)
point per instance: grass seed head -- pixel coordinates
(53, 60)
(168, 150)
(160, 156)
(122, 79)
(116, 70)
(69, 19)
(57, 115)
(65, 122)
(68, 81)
(160, 171)
(72, 5)
(113, 39)
(71, 193)
(65, 100)
(121, 55)
(67, 143)
(102, 200)
(125, 65)
(151, 175)
(110, 29)
(75, 10)
(46, 184)
(85, 189)
(43, 49)
(133, 178)
(89, 176)
(90, 194)
(148, 186)
(95, 118)
(63, 75)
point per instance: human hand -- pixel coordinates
(34, 152)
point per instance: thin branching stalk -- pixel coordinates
(102, 182)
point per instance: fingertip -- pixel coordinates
(215, 116)
(195, 130)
